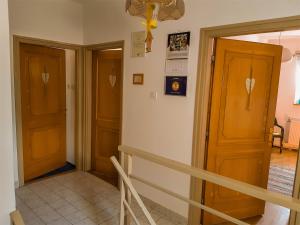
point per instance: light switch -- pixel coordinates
(153, 95)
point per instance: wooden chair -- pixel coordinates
(279, 135)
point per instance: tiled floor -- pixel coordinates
(80, 199)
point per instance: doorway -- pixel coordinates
(104, 80)
(46, 76)
(203, 91)
(286, 135)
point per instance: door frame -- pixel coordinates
(17, 41)
(203, 87)
(88, 74)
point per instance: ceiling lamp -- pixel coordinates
(153, 11)
(286, 53)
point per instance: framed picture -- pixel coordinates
(178, 45)
(138, 44)
(176, 85)
(138, 79)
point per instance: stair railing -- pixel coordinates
(126, 173)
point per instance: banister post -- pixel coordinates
(126, 162)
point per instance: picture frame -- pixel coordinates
(138, 79)
(176, 85)
(178, 45)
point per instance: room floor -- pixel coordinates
(80, 199)
(287, 159)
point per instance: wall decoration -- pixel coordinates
(138, 44)
(178, 45)
(138, 79)
(176, 85)
(153, 11)
(176, 67)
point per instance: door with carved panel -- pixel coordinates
(43, 104)
(106, 112)
(243, 103)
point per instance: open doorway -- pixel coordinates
(106, 111)
(286, 130)
(243, 127)
(286, 135)
(46, 100)
(104, 85)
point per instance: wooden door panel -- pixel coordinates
(44, 100)
(244, 94)
(107, 83)
(43, 109)
(234, 100)
(46, 138)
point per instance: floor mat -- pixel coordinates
(281, 180)
(67, 167)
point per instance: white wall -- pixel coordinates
(57, 20)
(70, 103)
(7, 198)
(165, 126)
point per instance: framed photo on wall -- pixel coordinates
(176, 85)
(178, 45)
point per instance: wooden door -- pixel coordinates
(106, 116)
(43, 100)
(243, 102)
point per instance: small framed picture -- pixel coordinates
(178, 45)
(138, 79)
(176, 85)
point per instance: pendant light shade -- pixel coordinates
(153, 11)
(286, 55)
(168, 10)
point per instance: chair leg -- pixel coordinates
(281, 144)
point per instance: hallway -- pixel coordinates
(80, 199)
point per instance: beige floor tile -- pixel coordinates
(77, 199)
(75, 217)
(61, 221)
(47, 214)
(67, 210)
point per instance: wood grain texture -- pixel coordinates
(16, 218)
(43, 109)
(106, 112)
(240, 123)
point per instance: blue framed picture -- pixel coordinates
(176, 85)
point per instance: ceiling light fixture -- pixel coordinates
(153, 11)
(286, 53)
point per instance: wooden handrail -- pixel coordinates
(248, 189)
(191, 202)
(126, 180)
(16, 218)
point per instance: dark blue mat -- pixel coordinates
(67, 167)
